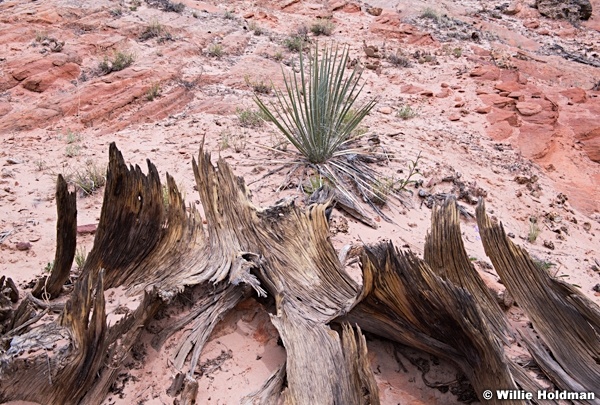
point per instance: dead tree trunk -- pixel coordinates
(404, 300)
(566, 321)
(155, 250)
(66, 233)
(446, 255)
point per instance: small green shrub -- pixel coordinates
(215, 50)
(229, 15)
(122, 60)
(225, 135)
(542, 264)
(534, 230)
(249, 118)
(385, 187)
(72, 137)
(259, 86)
(295, 43)
(322, 27)
(254, 27)
(72, 150)
(302, 31)
(40, 164)
(49, 266)
(413, 170)
(235, 141)
(153, 30)
(406, 112)
(41, 36)
(382, 190)
(313, 184)
(116, 12)
(119, 61)
(153, 92)
(80, 258)
(89, 179)
(430, 14)
(425, 57)
(399, 60)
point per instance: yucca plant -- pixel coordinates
(318, 113)
(313, 111)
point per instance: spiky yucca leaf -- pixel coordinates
(313, 112)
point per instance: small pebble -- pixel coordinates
(23, 246)
(13, 161)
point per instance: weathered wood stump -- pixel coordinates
(154, 250)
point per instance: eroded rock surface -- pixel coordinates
(565, 9)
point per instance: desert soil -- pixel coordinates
(505, 103)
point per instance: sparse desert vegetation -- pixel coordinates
(259, 85)
(399, 60)
(153, 30)
(295, 43)
(430, 13)
(322, 27)
(119, 61)
(406, 112)
(250, 118)
(153, 92)
(215, 50)
(255, 28)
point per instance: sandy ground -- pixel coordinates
(199, 98)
